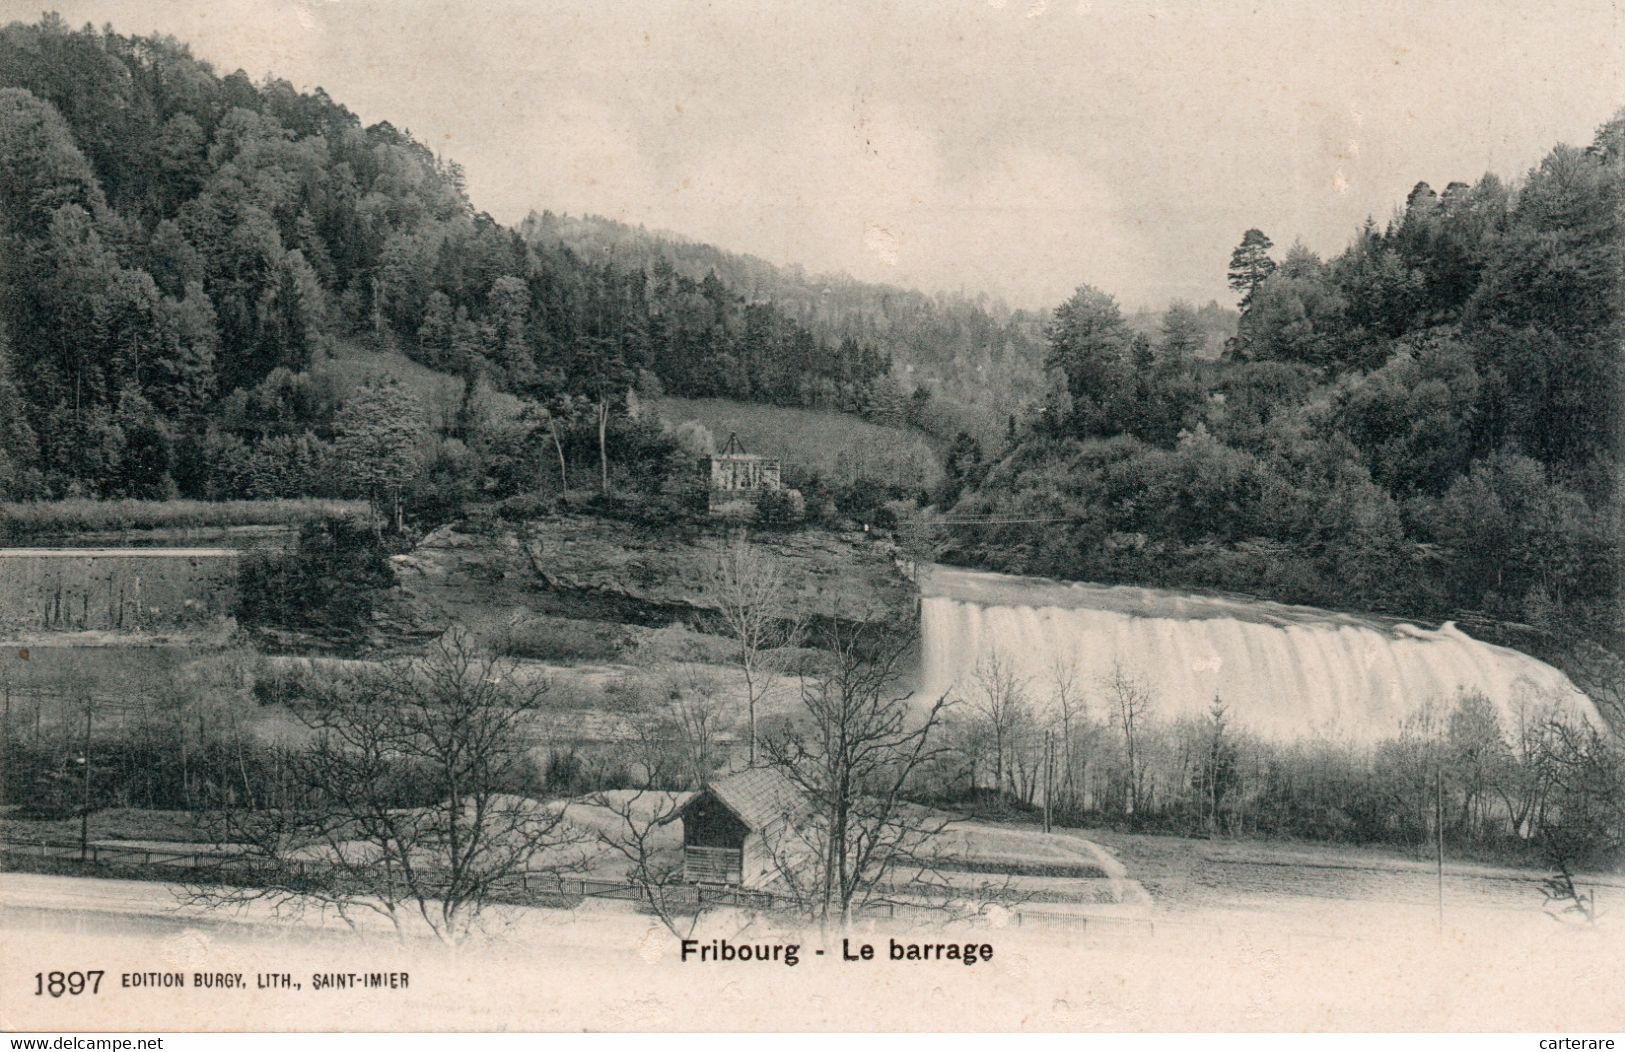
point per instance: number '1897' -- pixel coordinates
(71, 983)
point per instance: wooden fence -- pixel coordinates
(115, 855)
(527, 888)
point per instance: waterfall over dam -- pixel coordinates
(1284, 672)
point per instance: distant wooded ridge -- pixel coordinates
(982, 359)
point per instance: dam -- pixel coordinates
(1284, 672)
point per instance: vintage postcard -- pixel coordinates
(666, 515)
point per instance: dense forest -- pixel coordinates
(977, 360)
(1428, 423)
(181, 251)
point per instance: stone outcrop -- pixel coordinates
(611, 572)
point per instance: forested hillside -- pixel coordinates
(1428, 423)
(180, 252)
(194, 269)
(979, 360)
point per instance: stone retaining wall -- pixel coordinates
(114, 589)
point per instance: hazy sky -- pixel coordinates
(1015, 146)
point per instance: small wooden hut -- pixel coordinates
(734, 828)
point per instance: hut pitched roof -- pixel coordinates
(758, 796)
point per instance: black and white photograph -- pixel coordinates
(665, 516)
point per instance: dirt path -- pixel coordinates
(1320, 890)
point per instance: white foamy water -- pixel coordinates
(1283, 671)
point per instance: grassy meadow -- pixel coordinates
(837, 446)
(80, 515)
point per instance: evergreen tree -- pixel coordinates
(961, 468)
(1183, 335)
(1250, 264)
(379, 439)
(1089, 344)
(17, 446)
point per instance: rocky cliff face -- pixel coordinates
(606, 581)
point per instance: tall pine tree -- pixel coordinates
(1250, 264)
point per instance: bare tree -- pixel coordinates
(696, 712)
(648, 744)
(404, 802)
(204, 703)
(998, 696)
(1130, 701)
(1477, 756)
(677, 709)
(1028, 749)
(637, 822)
(1600, 673)
(1579, 768)
(1071, 715)
(601, 415)
(1585, 822)
(748, 590)
(1527, 781)
(857, 744)
(1216, 767)
(551, 418)
(1412, 765)
(918, 536)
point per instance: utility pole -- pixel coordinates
(84, 809)
(1049, 777)
(1438, 837)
